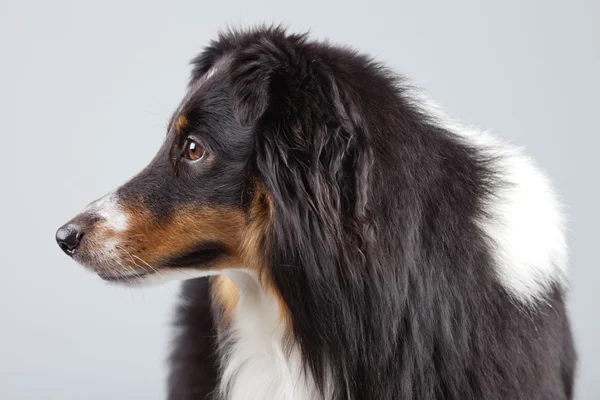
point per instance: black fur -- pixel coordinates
(193, 374)
(390, 283)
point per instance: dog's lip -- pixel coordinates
(203, 254)
(124, 277)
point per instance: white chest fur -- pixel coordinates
(260, 364)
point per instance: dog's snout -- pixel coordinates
(68, 238)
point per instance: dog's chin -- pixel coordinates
(156, 277)
(131, 279)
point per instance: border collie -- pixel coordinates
(340, 237)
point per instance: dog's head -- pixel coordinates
(260, 154)
(186, 211)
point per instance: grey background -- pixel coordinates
(85, 93)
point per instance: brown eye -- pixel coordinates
(193, 150)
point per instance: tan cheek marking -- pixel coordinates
(156, 242)
(151, 242)
(182, 122)
(260, 221)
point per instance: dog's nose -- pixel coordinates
(68, 238)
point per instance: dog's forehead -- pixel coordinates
(218, 69)
(196, 91)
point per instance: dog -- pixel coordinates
(340, 237)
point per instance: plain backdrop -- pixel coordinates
(86, 89)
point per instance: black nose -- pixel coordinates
(68, 237)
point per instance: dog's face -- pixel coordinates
(265, 167)
(186, 213)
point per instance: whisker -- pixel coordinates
(135, 263)
(128, 253)
(128, 267)
(150, 266)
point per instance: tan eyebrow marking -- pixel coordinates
(182, 122)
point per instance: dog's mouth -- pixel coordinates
(200, 258)
(205, 254)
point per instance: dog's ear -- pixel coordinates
(312, 144)
(250, 82)
(313, 158)
(264, 67)
(265, 74)
(313, 163)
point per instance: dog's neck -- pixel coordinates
(260, 359)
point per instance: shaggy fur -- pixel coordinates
(391, 254)
(375, 248)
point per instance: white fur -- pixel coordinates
(109, 249)
(525, 225)
(258, 364)
(209, 74)
(110, 211)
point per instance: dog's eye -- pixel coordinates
(192, 150)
